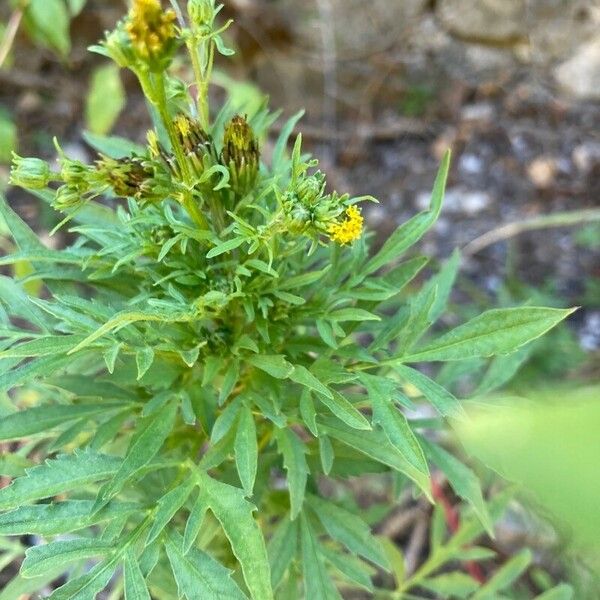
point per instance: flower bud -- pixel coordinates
(127, 176)
(201, 13)
(75, 174)
(29, 173)
(68, 197)
(240, 155)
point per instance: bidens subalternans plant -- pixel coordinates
(209, 350)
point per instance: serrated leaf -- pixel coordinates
(134, 583)
(504, 576)
(35, 420)
(352, 568)
(167, 506)
(226, 246)
(294, 462)
(150, 435)
(67, 472)
(234, 513)
(452, 585)
(303, 376)
(444, 402)
(144, 359)
(198, 576)
(376, 445)
(395, 425)
(86, 586)
(317, 583)
(49, 557)
(43, 346)
(282, 549)
(61, 518)
(194, 523)
(352, 314)
(464, 482)
(345, 411)
(497, 331)
(246, 449)
(274, 364)
(348, 529)
(410, 232)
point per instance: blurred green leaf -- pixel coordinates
(105, 99)
(48, 24)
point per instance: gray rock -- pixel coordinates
(580, 75)
(486, 20)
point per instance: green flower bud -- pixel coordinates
(240, 155)
(76, 174)
(119, 47)
(29, 173)
(201, 13)
(68, 197)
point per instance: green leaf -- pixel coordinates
(326, 454)
(49, 557)
(411, 232)
(234, 513)
(150, 435)
(58, 476)
(502, 369)
(199, 576)
(43, 346)
(317, 583)
(275, 365)
(167, 506)
(8, 137)
(194, 523)
(246, 449)
(464, 482)
(344, 410)
(497, 331)
(61, 518)
(377, 446)
(294, 461)
(304, 377)
(395, 425)
(508, 573)
(282, 549)
(134, 583)
(395, 560)
(226, 246)
(42, 418)
(282, 140)
(114, 146)
(348, 529)
(86, 586)
(48, 24)
(105, 99)
(351, 567)
(144, 359)
(560, 592)
(443, 401)
(352, 314)
(452, 585)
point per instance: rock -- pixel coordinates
(485, 20)
(542, 171)
(579, 76)
(481, 111)
(459, 200)
(586, 156)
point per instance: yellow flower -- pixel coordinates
(349, 229)
(151, 29)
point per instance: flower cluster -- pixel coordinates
(348, 230)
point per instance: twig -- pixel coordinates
(417, 542)
(509, 230)
(9, 36)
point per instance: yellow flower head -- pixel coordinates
(151, 29)
(349, 229)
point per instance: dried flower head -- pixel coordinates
(240, 154)
(348, 230)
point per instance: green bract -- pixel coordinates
(205, 355)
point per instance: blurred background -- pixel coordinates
(512, 86)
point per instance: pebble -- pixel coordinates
(458, 200)
(542, 171)
(586, 156)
